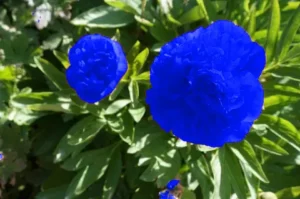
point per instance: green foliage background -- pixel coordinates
(57, 146)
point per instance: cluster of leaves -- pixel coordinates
(56, 146)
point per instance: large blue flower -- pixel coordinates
(205, 86)
(97, 64)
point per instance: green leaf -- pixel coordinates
(284, 90)
(194, 14)
(163, 168)
(282, 128)
(92, 126)
(233, 170)
(64, 149)
(252, 22)
(252, 182)
(117, 36)
(292, 73)
(288, 34)
(267, 145)
(117, 91)
(46, 141)
(56, 77)
(103, 17)
(87, 177)
(46, 101)
(54, 193)
(293, 53)
(58, 177)
(84, 159)
(37, 98)
(145, 134)
(15, 146)
(222, 186)
(90, 174)
(199, 170)
(208, 10)
(187, 194)
(18, 49)
(52, 41)
(289, 193)
(132, 171)
(166, 6)
(157, 47)
(122, 5)
(279, 99)
(134, 92)
(145, 191)
(139, 61)
(123, 124)
(137, 112)
(8, 73)
(143, 21)
(273, 30)
(134, 51)
(159, 32)
(112, 176)
(116, 106)
(62, 57)
(143, 77)
(245, 153)
(204, 148)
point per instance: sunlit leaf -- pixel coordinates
(116, 106)
(245, 153)
(57, 77)
(289, 193)
(103, 17)
(282, 128)
(288, 34)
(273, 30)
(112, 177)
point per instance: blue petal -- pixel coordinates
(164, 195)
(172, 184)
(205, 86)
(97, 65)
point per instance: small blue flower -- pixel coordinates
(97, 64)
(172, 184)
(166, 195)
(205, 86)
(1, 156)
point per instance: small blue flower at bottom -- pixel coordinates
(166, 195)
(172, 184)
(97, 64)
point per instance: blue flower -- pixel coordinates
(166, 195)
(205, 86)
(172, 184)
(97, 64)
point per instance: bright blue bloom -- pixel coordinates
(166, 195)
(1, 156)
(205, 86)
(172, 184)
(97, 64)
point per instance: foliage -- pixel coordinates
(56, 146)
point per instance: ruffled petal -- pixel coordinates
(205, 86)
(97, 65)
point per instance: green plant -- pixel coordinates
(56, 146)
